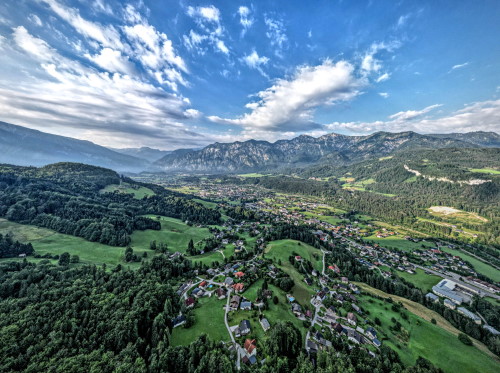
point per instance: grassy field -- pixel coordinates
(420, 279)
(427, 314)
(209, 315)
(422, 338)
(253, 174)
(208, 258)
(125, 188)
(398, 242)
(47, 241)
(281, 250)
(485, 171)
(173, 231)
(478, 265)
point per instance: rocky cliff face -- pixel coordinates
(252, 155)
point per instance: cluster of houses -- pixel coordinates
(330, 317)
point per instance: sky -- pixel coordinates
(183, 74)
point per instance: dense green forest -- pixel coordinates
(10, 248)
(86, 319)
(67, 198)
(392, 193)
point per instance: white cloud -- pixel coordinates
(78, 101)
(384, 94)
(35, 19)
(112, 61)
(478, 116)
(289, 104)
(204, 13)
(194, 40)
(402, 20)
(221, 46)
(142, 42)
(454, 67)
(245, 20)
(383, 78)
(108, 36)
(254, 61)
(412, 114)
(369, 63)
(209, 21)
(153, 48)
(276, 33)
(101, 6)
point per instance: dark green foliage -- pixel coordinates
(64, 259)
(284, 340)
(465, 339)
(83, 319)
(10, 248)
(66, 198)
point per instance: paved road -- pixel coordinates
(229, 331)
(450, 276)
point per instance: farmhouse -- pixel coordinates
(245, 327)
(265, 324)
(246, 305)
(235, 302)
(351, 318)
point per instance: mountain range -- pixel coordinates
(23, 146)
(261, 156)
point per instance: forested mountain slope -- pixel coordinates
(68, 198)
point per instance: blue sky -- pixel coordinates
(171, 74)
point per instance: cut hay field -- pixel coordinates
(454, 215)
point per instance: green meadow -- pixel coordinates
(47, 241)
(420, 279)
(174, 232)
(125, 188)
(281, 250)
(419, 337)
(209, 316)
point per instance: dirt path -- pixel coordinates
(426, 314)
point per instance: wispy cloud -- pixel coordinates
(459, 66)
(276, 33)
(370, 64)
(35, 19)
(208, 19)
(412, 114)
(482, 116)
(80, 101)
(254, 61)
(384, 94)
(383, 77)
(246, 20)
